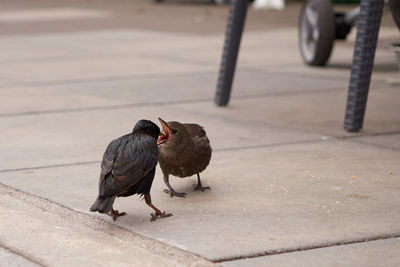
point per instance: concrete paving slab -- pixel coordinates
(254, 54)
(140, 89)
(262, 49)
(389, 141)
(91, 49)
(122, 43)
(55, 130)
(59, 138)
(194, 17)
(104, 54)
(373, 253)
(384, 72)
(285, 198)
(56, 236)
(96, 68)
(317, 112)
(10, 259)
(23, 100)
(51, 14)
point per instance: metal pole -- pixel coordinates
(363, 60)
(234, 29)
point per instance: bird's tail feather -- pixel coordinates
(103, 205)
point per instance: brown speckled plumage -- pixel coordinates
(186, 151)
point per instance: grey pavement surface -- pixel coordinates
(373, 253)
(8, 258)
(62, 237)
(289, 185)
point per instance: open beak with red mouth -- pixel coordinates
(165, 134)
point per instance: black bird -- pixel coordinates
(184, 151)
(128, 168)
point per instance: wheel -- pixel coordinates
(395, 8)
(316, 31)
(220, 2)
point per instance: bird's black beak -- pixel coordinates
(164, 134)
(163, 123)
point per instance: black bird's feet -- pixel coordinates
(115, 214)
(199, 187)
(155, 216)
(174, 193)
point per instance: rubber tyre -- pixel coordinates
(220, 2)
(316, 35)
(395, 8)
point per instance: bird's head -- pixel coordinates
(171, 133)
(147, 127)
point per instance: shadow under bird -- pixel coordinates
(184, 151)
(128, 168)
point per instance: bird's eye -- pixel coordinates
(174, 131)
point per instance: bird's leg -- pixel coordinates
(170, 190)
(198, 185)
(158, 213)
(115, 214)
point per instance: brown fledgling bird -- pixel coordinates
(184, 151)
(128, 168)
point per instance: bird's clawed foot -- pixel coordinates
(115, 214)
(174, 193)
(155, 216)
(199, 187)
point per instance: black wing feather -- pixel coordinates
(126, 161)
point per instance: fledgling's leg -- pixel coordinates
(198, 185)
(115, 214)
(158, 213)
(170, 190)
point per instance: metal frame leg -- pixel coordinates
(364, 52)
(234, 29)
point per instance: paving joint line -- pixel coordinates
(215, 150)
(277, 70)
(20, 254)
(258, 146)
(355, 139)
(272, 145)
(162, 103)
(358, 135)
(311, 247)
(101, 79)
(50, 166)
(72, 110)
(375, 145)
(49, 205)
